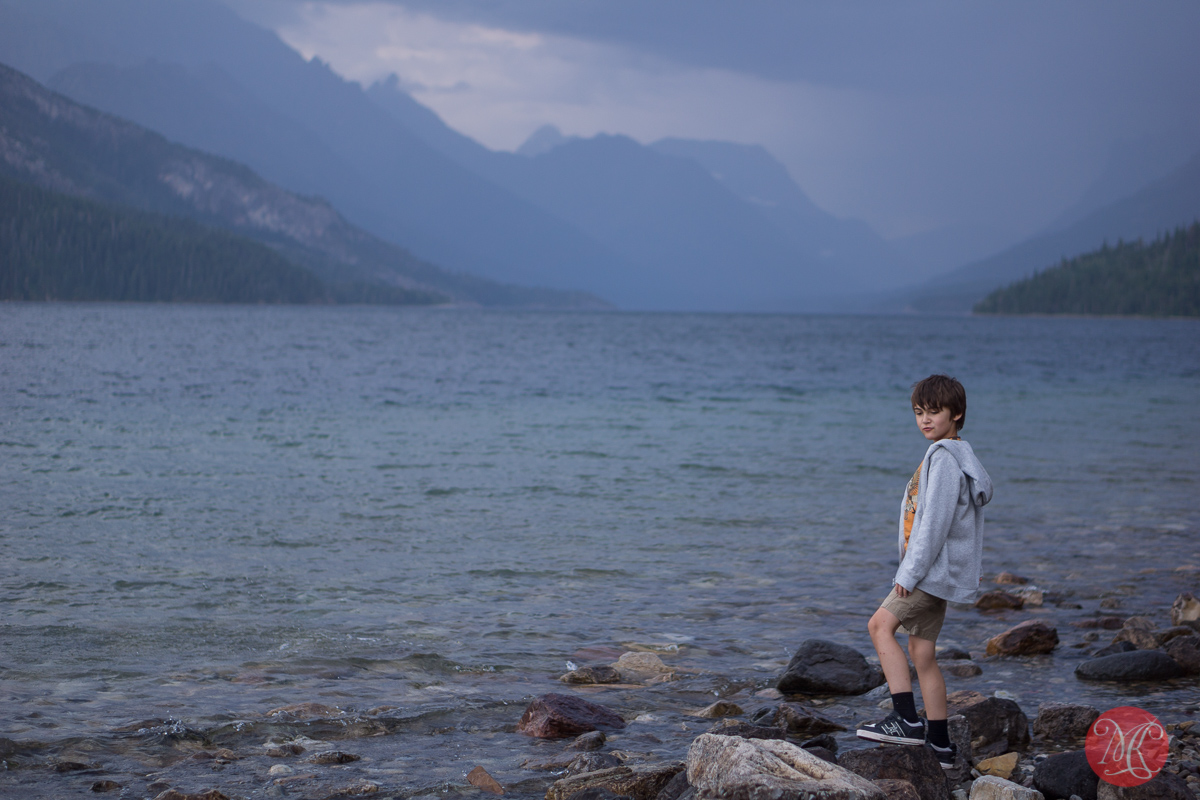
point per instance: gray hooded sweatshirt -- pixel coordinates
(945, 547)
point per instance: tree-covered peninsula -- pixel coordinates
(1160, 279)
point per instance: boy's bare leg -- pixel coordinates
(933, 685)
(883, 627)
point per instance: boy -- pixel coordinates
(941, 551)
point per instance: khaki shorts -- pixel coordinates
(920, 614)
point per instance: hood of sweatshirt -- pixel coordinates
(980, 481)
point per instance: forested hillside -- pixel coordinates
(56, 247)
(1161, 279)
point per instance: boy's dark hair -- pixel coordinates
(941, 391)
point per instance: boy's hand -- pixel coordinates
(901, 591)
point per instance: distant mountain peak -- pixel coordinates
(543, 140)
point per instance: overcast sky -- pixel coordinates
(910, 115)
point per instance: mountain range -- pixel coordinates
(674, 224)
(55, 143)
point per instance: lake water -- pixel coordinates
(419, 516)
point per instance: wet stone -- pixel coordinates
(643, 668)
(1164, 786)
(1064, 722)
(953, 654)
(1031, 637)
(721, 708)
(796, 719)
(1139, 665)
(333, 757)
(917, 765)
(745, 730)
(895, 789)
(823, 667)
(1065, 774)
(592, 675)
(1186, 608)
(1114, 648)
(642, 783)
(305, 711)
(591, 762)
(173, 794)
(1138, 631)
(592, 740)
(556, 716)
(105, 786)
(1185, 650)
(997, 725)
(1010, 579)
(999, 600)
(480, 778)
(961, 669)
(1105, 623)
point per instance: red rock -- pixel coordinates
(479, 777)
(1029, 638)
(555, 716)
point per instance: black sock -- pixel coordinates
(938, 733)
(904, 705)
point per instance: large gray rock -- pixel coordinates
(992, 788)
(1063, 722)
(1138, 665)
(1065, 774)
(997, 725)
(1164, 787)
(732, 768)
(821, 667)
(555, 716)
(917, 765)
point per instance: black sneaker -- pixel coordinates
(893, 729)
(946, 756)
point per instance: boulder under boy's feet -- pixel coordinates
(946, 756)
(893, 729)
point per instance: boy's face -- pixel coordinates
(936, 423)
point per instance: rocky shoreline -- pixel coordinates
(627, 726)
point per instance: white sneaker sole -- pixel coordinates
(883, 737)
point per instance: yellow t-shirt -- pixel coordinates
(910, 500)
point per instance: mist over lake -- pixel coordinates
(419, 516)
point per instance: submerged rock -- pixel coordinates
(1011, 579)
(917, 765)
(557, 716)
(732, 767)
(643, 668)
(592, 740)
(1065, 774)
(998, 600)
(961, 669)
(480, 779)
(1062, 722)
(592, 675)
(1139, 665)
(1031, 637)
(721, 708)
(822, 667)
